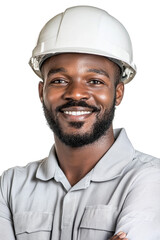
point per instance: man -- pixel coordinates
(94, 184)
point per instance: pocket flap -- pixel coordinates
(32, 222)
(101, 217)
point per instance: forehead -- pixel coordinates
(70, 60)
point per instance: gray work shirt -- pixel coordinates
(122, 192)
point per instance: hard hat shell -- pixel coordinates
(85, 29)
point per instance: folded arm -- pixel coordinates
(140, 215)
(119, 236)
(6, 223)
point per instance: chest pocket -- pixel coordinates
(33, 226)
(98, 223)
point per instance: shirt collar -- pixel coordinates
(111, 165)
(47, 168)
(116, 159)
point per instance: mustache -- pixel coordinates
(74, 103)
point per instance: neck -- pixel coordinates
(77, 162)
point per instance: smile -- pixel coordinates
(77, 113)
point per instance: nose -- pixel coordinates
(76, 91)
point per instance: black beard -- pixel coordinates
(99, 128)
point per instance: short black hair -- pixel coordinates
(118, 75)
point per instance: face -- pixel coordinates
(79, 96)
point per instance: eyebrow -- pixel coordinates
(55, 70)
(99, 71)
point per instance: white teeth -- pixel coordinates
(77, 113)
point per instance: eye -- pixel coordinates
(58, 81)
(96, 82)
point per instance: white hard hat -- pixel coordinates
(85, 29)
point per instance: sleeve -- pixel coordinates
(140, 215)
(6, 223)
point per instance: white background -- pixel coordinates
(24, 135)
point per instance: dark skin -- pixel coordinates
(84, 77)
(80, 77)
(119, 236)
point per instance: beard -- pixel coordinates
(74, 140)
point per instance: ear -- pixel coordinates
(119, 93)
(40, 89)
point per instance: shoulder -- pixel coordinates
(145, 168)
(19, 174)
(146, 159)
(142, 160)
(30, 167)
(146, 162)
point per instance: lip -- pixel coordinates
(72, 109)
(66, 113)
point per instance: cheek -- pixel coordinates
(51, 98)
(105, 98)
